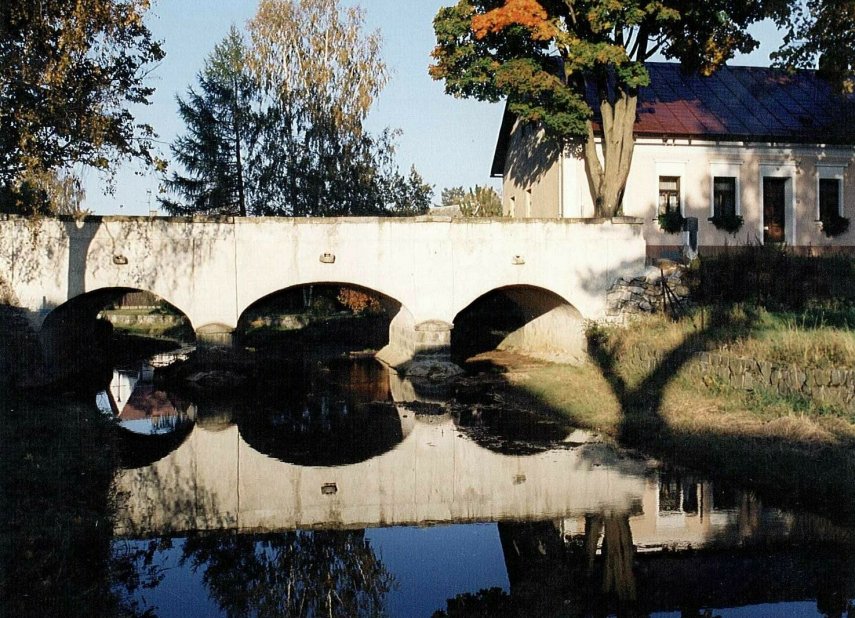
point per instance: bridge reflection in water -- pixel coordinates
(581, 526)
(436, 473)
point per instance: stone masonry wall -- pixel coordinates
(644, 294)
(834, 386)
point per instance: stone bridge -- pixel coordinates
(428, 268)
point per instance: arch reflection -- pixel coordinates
(337, 414)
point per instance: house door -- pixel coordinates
(773, 209)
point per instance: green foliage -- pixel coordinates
(452, 196)
(481, 202)
(407, 196)
(835, 225)
(219, 151)
(489, 50)
(51, 192)
(728, 223)
(478, 201)
(276, 127)
(69, 72)
(819, 29)
(671, 221)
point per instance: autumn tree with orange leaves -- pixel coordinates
(574, 67)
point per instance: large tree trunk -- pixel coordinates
(607, 180)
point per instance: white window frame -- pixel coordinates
(670, 168)
(726, 169)
(826, 171)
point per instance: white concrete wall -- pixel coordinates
(212, 270)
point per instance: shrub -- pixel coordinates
(775, 278)
(671, 222)
(835, 225)
(727, 223)
(359, 302)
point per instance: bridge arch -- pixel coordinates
(330, 312)
(75, 342)
(520, 318)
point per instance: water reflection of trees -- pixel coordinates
(301, 573)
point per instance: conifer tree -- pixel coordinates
(218, 151)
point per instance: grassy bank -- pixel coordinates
(800, 449)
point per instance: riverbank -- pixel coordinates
(801, 449)
(56, 473)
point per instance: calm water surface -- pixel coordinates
(340, 489)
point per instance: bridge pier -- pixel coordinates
(215, 336)
(420, 350)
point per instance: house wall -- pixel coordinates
(531, 180)
(697, 163)
(559, 187)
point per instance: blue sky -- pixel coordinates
(450, 141)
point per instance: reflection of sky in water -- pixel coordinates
(435, 564)
(767, 610)
(430, 565)
(663, 509)
(181, 593)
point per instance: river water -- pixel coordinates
(341, 489)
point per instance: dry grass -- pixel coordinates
(797, 456)
(804, 339)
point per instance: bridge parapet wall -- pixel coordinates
(213, 268)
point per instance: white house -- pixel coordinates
(773, 148)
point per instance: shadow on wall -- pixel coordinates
(530, 156)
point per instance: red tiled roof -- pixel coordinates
(744, 104)
(735, 103)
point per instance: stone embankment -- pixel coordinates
(832, 386)
(658, 287)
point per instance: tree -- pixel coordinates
(276, 127)
(314, 573)
(476, 202)
(549, 56)
(218, 152)
(54, 191)
(407, 196)
(69, 71)
(453, 196)
(823, 29)
(481, 202)
(321, 73)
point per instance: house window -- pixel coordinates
(669, 194)
(512, 207)
(829, 198)
(528, 203)
(724, 196)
